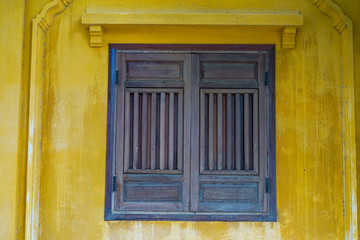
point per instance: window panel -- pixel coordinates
(192, 134)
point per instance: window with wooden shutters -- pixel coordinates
(191, 133)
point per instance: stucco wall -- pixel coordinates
(308, 121)
(11, 49)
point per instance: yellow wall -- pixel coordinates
(11, 50)
(351, 8)
(308, 121)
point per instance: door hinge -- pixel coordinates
(114, 183)
(267, 185)
(266, 79)
(117, 77)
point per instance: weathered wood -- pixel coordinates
(140, 70)
(220, 136)
(202, 132)
(246, 132)
(229, 71)
(220, 83)
(176, 136)
(127, 132)
(229, 132)
(211, 132)
(153, 132)
(144, 123)
(171, 131)
(162, 131)
(135, 135)
(238, 136)
(193, 89)
(255, 134)
(180, 132)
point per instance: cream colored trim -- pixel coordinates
(277, 21)
(39, 25)
(343, 25)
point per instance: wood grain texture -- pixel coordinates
(182, 119)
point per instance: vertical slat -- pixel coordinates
(136, 131)
(162, 131)
(219, 132)
(144, 131)
(246, 132)
(153, 132)
(237, 132)
(229, 132)
(127, 132)
(202, 131)
(211, 131)
(171, 131)
(192, 131)
(180, 132)
(255, 132)
(120, 161)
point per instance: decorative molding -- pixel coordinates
(96, 35)
(43, 21)
(333, 11)
(288, 37)
(343, 25)
(277, 21)
(40, 24)
(49, 11)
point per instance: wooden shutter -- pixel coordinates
(151, 129)
(194, 132)
(232, 134)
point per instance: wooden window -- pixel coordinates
(191, 133)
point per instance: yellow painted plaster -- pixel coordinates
(351, 9)
(308, 121)
(309, 140)
(11, 49)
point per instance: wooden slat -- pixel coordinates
(153, 132)
(211, 132)
(246, 132)
(229, 129)
(219, 132)
(120, 136)
(127, 131)
(194, 132)
(237, 133)
(202, 132)
(136, 131)
(162, 131)
(144, 131)
(255, 132)
(180, 132)
(171, 131)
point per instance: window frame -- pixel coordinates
(110, 185)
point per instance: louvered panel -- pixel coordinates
(229, 131)
(153, 134)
